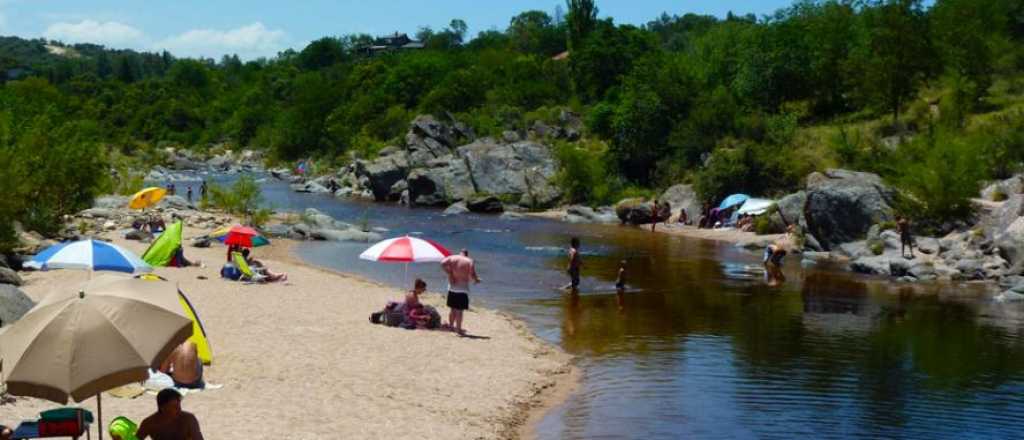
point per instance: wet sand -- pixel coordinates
(299, 359)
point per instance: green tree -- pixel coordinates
(322, 53)
(896, 52)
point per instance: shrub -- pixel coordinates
(999, 195)
(876, 247)
(243, 199)
(763, 225)
(938, 175)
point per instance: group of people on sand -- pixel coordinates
(460, 270)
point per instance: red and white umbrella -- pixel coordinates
(406, 250)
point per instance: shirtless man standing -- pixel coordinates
(460, 270)
(573, 268)
(184, 366)
(169, 422)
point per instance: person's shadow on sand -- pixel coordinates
(469, 336)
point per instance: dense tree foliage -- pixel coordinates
(722, 102)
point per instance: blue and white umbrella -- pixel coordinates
(89, 255)
(733, 200)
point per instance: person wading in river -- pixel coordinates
(573, 268)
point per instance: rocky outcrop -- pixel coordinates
(683, 197)
(584, 214)
(435, 168)
(8, 276)
(842, 205)
(485, 204)
(316, 225)
(457, 208)
(638, 211)
(13, 304)
(999, 191)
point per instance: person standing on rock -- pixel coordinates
(460, 270)
(906, 238)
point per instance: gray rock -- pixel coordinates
(457, 208)
(111, 202)
(443, 182)
(791, 209)
(812, 243)
(1009, 212)
(756, 243)
(350, 235)
(1008, 187)
(899, 267)
(509, 215)
(1010, 244)
(137, 235)
(817, 257)
(639, 211)
(510, 137)
(397, 189)
(928, 245)
(890, 239)
(429, 127)
(343, 192)
(99, 213)
(523, 169)
(8, 276)
(201, 242)
(278, 230)
(854, 250)
(13, 304)
(874, 265)
(486, 204)
(922, 271)
(176, 202)
(1013, 282)
(317, 219)
(385, 172)
(971, 269)
(683, 197)
(1009, 296)
(842, 205)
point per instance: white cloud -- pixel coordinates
(108, 33)
(251, 41)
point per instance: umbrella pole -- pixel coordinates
(406, 281)
(99, 416)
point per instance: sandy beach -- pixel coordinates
(300, 360)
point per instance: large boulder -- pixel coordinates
(842, 205)
(350, 234)
(683, 197)
(13, 304)
(111, 202)
(443, 181)
(1009, 212)
(8, 276)
(791, 209)
(1010, 244)
(385, 172)
(456, 209)
(486, 204)
(428, 139)
(523, 170)
(638, 211)
(874, 265)
(1003, 188)
(99, 213)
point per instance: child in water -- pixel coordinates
(620, 284)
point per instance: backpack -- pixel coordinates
(230, 272)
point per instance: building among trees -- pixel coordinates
(392, 43)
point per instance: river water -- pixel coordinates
(702, 348)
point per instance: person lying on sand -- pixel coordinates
(170, 422)
(184, 367)
(258, 265)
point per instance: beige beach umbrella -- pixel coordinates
(78, 343)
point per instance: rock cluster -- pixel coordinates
(442, 163)
(315, 225)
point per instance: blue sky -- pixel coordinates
(253, 28)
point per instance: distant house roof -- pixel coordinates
(561, 57)
(395, 41)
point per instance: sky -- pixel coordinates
(255, 28)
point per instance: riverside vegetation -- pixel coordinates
(929, 98)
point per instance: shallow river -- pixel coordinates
(702, 348)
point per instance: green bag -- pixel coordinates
(124, 428)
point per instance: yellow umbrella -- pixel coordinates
(79, 343)
(147, 197)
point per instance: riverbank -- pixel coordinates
(301, 358)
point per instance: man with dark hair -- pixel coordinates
(573, 269)
(169, 422)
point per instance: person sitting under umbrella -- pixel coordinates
(258, 265)
(185, 367)
(169, 421)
